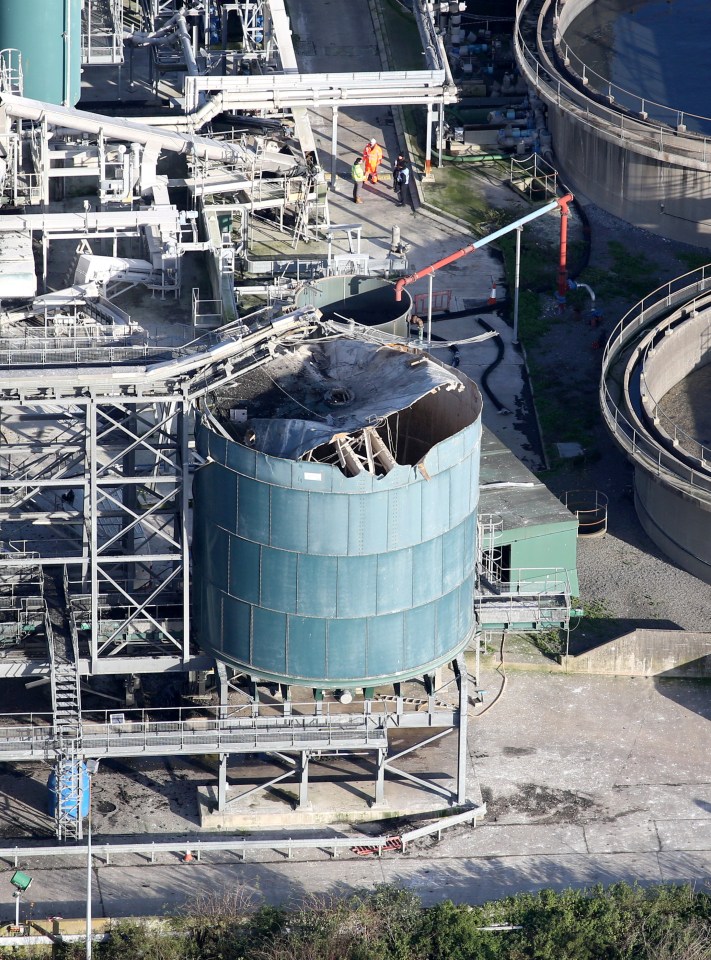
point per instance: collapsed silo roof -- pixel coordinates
(335, 387)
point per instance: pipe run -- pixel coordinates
(561, 202)
(114, 129)
(176, 25)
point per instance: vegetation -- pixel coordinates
(621, 922)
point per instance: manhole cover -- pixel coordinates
(105, 806)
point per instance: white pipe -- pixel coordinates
(187, 46)
(176, 24)
(67, 40)
(37, 111)
(191, 121)
(589, 289)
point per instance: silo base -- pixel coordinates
(341, 790)
(393, 756)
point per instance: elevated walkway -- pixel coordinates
(196, 737)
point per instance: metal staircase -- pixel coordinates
(66, 700)
(68, 785)
(102, 32)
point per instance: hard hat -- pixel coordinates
(373, 142)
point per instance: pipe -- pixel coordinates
(35, 110)
(403, 282)
(190, 121)
(67, 41)
(563, 259)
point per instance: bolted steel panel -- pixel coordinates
(48, 34)
(335, 580)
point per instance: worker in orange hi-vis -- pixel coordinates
(372, 158)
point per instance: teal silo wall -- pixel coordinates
(336, 581)
(51, 67)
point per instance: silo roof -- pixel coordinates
(307, 395)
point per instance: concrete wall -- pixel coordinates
(653, 192)
(648, 653)
(685, 348)
(679, 524)
(657, 177)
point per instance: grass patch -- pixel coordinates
(630, 274)
(456, 194)
(693, 259)
(405, 46)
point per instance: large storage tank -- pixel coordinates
(369, 301)
(334, 533)
(48, 35)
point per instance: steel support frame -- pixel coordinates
(125, 534)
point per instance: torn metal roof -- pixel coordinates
(318, 390)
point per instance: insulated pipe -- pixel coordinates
(191, 121)
(187, 46)
(37, 111)
(67, 50)
(403, 282)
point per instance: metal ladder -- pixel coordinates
(66, 698)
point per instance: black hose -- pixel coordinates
(490, 369)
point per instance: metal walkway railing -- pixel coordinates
(200, 736)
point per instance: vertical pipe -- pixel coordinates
(91, 417)
(334, 149)
(183, 428)
(429, 312)
(563, 261)
(67, 41)
(517, 271)
(440, 135)
(88, 878)
(462, 747)
(428, 143)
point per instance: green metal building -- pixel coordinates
(528, 544)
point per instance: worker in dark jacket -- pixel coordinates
(401, 180)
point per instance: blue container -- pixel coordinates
(74, 787)
(48, 34)
(304, 575)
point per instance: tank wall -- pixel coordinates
(367, 300)
(51, 66)
(301, 574)
(679, 525)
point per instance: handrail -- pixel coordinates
(648, 136)
(613, 91)
(635, 441)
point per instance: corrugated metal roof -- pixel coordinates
(524, 502)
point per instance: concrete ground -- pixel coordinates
(587, 780)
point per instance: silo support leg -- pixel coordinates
(380, 780)
(304, 782)
(462, 683)
(334, 150)
(222, 783)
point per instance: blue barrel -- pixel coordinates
(73, 790)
